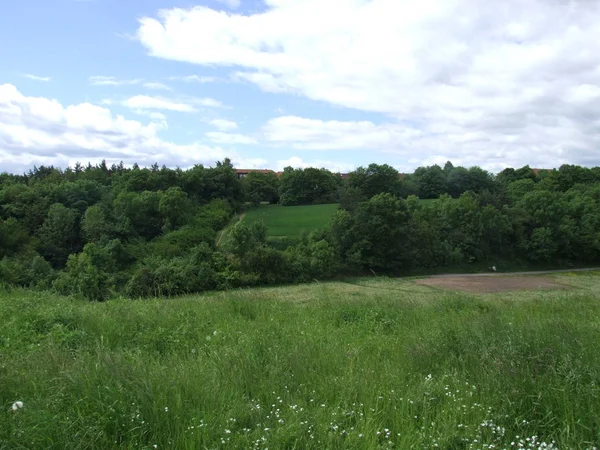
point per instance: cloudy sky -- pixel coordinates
(328, 83)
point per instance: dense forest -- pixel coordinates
(100, 231)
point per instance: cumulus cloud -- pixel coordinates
(223, 124)
(298, 163)
(37, 130)
(493, 83)
(312, 134)
(36, 77)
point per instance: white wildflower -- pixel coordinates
(17, 405)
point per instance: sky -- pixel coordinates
(304, 83)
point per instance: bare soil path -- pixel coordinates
(498, 282)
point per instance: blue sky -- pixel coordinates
(299, 82)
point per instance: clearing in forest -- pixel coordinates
(292, 221)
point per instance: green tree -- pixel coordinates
(13, 237)
(431, 181)
(308, 186)
(59, 235)
(175, 207)
(94, 225)
(374, 235)
(261, 187)
(517, 189)
(375, 179)
(138, 214)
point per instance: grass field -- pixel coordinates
(370, 364)
(291, 221)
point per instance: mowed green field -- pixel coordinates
(291, 221)
(370, 364)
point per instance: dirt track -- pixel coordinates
(480, 284)
(498, 282)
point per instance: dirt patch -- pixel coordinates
(492, 284)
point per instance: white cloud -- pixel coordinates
(188, 105)
(148, 102)
(36, 78)
(220, 137)
(195, 79)
(417, 147)
(311, 134)
(252, 163)
(207, 102)
(231, 4)
(223, 124)
(154, 115)
(99, 80)
(489, 83)
(36, 130)
(298, 163)
(156, 86)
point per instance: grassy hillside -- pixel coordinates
(291, 221)
(372, 364)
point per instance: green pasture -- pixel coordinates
(292, 221)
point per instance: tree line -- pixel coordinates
(100, 231)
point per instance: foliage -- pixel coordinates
(374, 235)
(59, 235)
(261, 187)
(100, 232)
(307, 186)
(375, 179)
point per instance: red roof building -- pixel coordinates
(241, 173)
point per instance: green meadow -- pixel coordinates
(292, 221)
(369, 364)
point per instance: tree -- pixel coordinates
(223, 183)
(308, 186)
(13, 237)
(431, 181)
(261, 187)
(83, 278)
(59, 235)
(350, 197)
(175, 207)
(374, 235)
(246, 238)
(458, 181)
(375, 179)
(517, 189)
(138, 214)
(94, 225)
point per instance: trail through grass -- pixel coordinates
(376, 363)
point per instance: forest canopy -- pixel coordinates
(99, 231)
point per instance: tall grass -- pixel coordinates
(373, 364)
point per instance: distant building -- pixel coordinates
(241, 173)
(537, 171)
